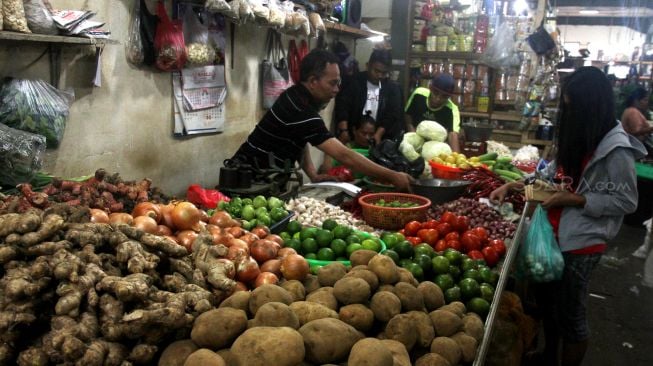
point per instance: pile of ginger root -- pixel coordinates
(79, 293)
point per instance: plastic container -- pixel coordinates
(364, 235)
(445, 172)
(393, 218)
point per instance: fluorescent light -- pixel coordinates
(376, 39)
(588, 12)
(520, 6)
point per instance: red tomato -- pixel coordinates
(431, 224)
(429, 236)
(462, 224)
(470, 241)
(475, 254)
(444, 228)
(447, 217)
(490, 255)
(481, 232)
(440, 246)
(499, 246)
(402, 232)
(412, 227)
(454, 244)
(452, 236)
(414, 240)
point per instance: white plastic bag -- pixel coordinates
(199, 52)
(134, 47)
(39, 19)
(13, 13)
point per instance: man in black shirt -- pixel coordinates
(294, 121)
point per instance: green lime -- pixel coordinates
(247, 225)
(405, 262)
(424, 249)
(341, 232)
(294, 227)
(309, 245)
(254, 223)
(246, 201)
(415, 270)
(352, 248)
(474, 274)
(452, 294)
(469, 288)
(468, 263)
(307, 232)
(423, 261)
(248, 212)
(392, 254)
(293, 243)
(310, 256)
(390, 239)
(339, 247)
(487, 291)
(329, 224)
(260, 201)
(400, 237)
(339, 259)
(353, 238)
(274, 202)
(445, 281)
(404, 249)
(479, 306)
(326, 254)
(323, 238)
(453, 256)
(264, 220)
(440, 264)
(277, 214)
(261, 211)
(297, 236)
(486, 274)
(315, 269)
(285, 235)
(455, 272)
(371, 244)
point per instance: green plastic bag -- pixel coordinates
(540, 258)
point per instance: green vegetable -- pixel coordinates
(489, 156)
(507, 173)
(431, 131)
(504, 159)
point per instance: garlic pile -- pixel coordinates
(312, 212)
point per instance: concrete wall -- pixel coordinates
(126, 125)
(616, 42)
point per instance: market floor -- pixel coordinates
(620, 307)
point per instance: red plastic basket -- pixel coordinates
(393, 218)
(445, 172)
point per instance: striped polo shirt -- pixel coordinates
(285, 129)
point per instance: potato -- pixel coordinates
(358, 316)
(358, 268)
(311, 283)
(296, 289)
(238, 300)
(473, 326)
(445, 322)
(402, 328)
(307, 311)
(203, 357)
(265, 346)
(361, 257)
(432, 359)
(384, 268)
(352, 290)
(268, 293)
(385, 305)
(447, 348)
(367, 275)
(407, 277)
(432, 295)
(411, 299)
(177, 352)
(217, 328)
(228, 357)
(369, 352)
(467, 346)
(332, 272)
(455, 307)
(324, 296)
(389, 288)
(400, 356)
(276, 314)
(328, 340)
(423, 327)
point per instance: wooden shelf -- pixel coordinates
(46, 38)
(448, 55)
(474, 114)
(537, 142)
(506, 132)
(347, 30)
(507, 116)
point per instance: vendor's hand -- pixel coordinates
(402, 182)
(562, 199)
(325, 178)
(498, 195)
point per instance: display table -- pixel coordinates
(645, 190)
(644, 170)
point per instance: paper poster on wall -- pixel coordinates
(199, 100)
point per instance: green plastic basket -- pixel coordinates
(364, 235)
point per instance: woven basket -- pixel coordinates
(393, 218)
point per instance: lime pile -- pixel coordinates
(460, 277)
(394, 203)
(259, 211)
(330, 242)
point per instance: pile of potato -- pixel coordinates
(374, 314)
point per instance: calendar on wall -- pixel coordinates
(199, 95)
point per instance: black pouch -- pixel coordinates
(387, 154)
(149, 23)
(541, 41)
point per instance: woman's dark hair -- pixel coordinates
(381, 56)
(315, 63)
(587, 114)
(636, 95)
(365, 119)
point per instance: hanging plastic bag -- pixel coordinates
(540, 258)
(35, 106)
(245, 12)
(149, 23)
(205, 198)
(317, 25)
(277, 15)
(295, 57)
(217, 6)
(134, 46)
(541, 41)
(261, 12)
(501, 52)
(274, 70)
(169, 42)
(199, 51)
(21, 155)
(14, 16)
(39, 18)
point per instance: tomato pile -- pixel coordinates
(454, 232)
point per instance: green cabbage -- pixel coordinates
(432, 131)
(408, 151)
(432, 149)
(414, 139)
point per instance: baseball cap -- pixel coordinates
(442, 83)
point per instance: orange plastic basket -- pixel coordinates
(393, 218)
(445, 172)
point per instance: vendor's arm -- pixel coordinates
(361, 164)
(499, 194)
(309, 168)
(409, 123)
(453, 138)
(454, 142)
(327, 164)
(635, 123)
(378, 134)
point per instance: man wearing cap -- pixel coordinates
(433, 103)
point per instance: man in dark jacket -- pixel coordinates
(372, 91)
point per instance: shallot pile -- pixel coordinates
(479, 215)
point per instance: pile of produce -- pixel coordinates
(394, 203)
(374, 314)
(259, 211)
(458, 160)
(312, 212)
(476, 214)
(502, 166)
(484, 181)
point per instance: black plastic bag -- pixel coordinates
(387, 154)
(541, 41)
(149, 23)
